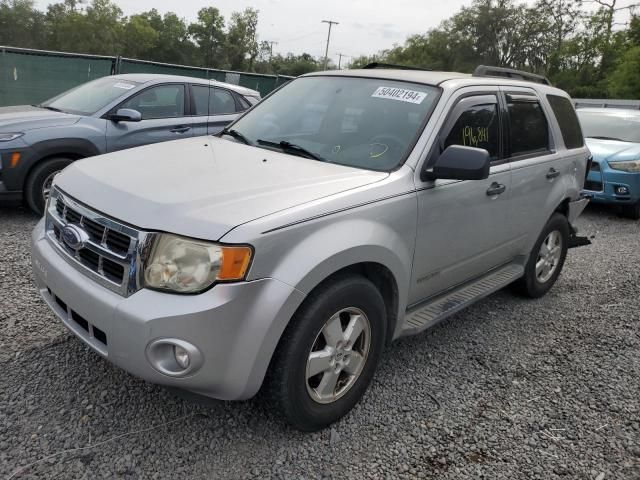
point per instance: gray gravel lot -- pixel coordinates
(510, 388)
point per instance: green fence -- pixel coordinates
(32, 76)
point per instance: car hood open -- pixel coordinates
(23, 118)
(613, 150)
(203, 187)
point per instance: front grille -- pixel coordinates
(108, 251)
(91, 332)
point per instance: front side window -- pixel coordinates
(360, 122)
(478, 127)
(613, 125)
(90, 97)
(163, 101)
(529, 132)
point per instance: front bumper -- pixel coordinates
(605, 184)
(235, 327)
(9, 197)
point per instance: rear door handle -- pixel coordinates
(496, 189)
(552, 173)
(180, 129)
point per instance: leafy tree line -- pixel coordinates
(581, 49)
(100, 27)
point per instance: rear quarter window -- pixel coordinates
(567, 120)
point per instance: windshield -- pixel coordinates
(88, 98)
(621, 126)
(358, 122)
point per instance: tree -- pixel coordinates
(140, 38)
(21, 24)
(242, 44)
(208, 33)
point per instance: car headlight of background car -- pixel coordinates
(632, 166)
(184, 265)
(7, 137)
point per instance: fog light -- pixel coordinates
(620, 190)
(182, 356)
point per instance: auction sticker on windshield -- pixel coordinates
(400, 94)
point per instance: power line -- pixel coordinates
(326, 52)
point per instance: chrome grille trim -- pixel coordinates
(63, 210)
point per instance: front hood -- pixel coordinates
(23, 118)
(203, 187)
(613, 150)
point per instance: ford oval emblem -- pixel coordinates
(74, 237)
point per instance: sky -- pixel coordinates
(365, 26)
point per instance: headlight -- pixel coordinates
(7, 137)
(183, 265)
(632, 166)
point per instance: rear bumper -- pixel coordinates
(235, 327)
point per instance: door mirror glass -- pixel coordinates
(458, 162)
(126, 115)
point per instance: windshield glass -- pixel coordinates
(611, 125)
(88, 98)
(358, 122)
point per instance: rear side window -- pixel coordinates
(567, 120)
(529, 131)
(200, 99)
(221, 102)
(477, 126)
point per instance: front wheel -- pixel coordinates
(39, 181)
(546, 259)
(328, 353)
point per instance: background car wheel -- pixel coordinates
(328, 354)
(632, 211)
(546, 259)
(38, 183)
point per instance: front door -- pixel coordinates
(463, 226)
(163, 118)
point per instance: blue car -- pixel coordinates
(613, 137)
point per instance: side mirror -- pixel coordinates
(460, 163)
(126, 115)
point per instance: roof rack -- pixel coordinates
(485, 71)
(374, 65)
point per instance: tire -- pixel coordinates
(304, 401)
(36, 182)
(631, 211)
(536, 283)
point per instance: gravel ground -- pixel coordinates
(510, 388)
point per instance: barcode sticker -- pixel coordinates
(400, 94)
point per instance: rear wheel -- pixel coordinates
(546, 259)
(39, 181)
(632, 211)
(328, 354)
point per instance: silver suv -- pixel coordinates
(344, 211)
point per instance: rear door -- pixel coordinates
(214, 108)
(163, 109)
(463, 226)
(536, 166)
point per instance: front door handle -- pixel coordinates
(552, 173)
(180, 129)
(496, 189)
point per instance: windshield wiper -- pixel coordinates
(291, 148)
(236, 134)
(607, 138)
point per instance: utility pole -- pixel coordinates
(271, 44)
(340, 55)
(326, 52)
